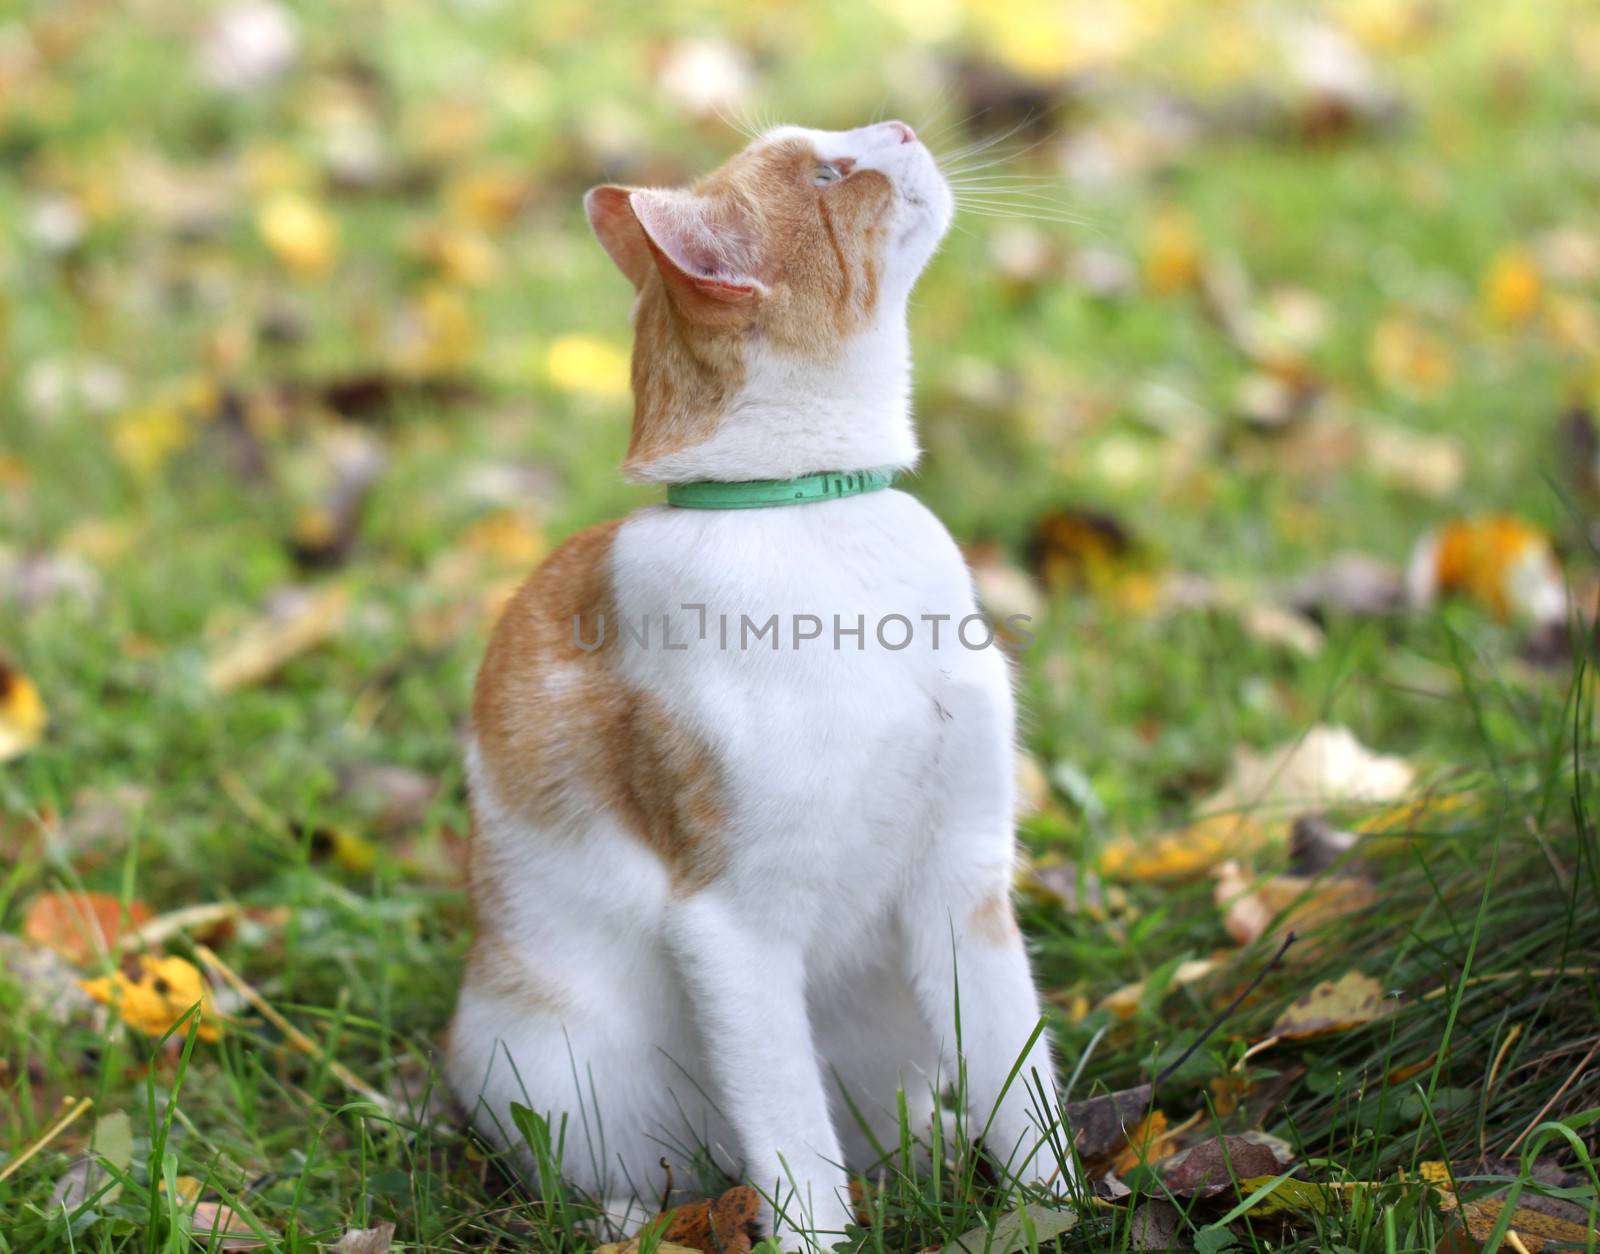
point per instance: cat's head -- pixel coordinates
(789, 263)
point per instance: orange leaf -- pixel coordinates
(724, 1223)
(81, 926)
(1150, 1142)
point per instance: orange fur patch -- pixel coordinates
(495, 971)
(817, 250)
(561, 731)
(992, 918)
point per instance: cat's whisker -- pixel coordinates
(735, 122)
(948, 159)
(1009, 157)
(933, 137)
(1009, 195)
(929, 125)
(1035, 213)
(1004, 184)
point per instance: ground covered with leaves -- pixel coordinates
(1260, 371)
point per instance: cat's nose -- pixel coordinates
(902, 133)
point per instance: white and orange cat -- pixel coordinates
(723, 877)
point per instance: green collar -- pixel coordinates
(827, 485)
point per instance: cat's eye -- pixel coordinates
(824, 174)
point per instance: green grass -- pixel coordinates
(1033, 395)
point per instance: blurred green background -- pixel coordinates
(306, 355)
(300, 290)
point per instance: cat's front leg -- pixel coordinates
(963, 946)
(969, 971)
(747, 984)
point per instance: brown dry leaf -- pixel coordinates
(1004, 589)
(1209, 1168)
(1316, 845)
(81, 926)
(22, 713)
(720, 1225)
(1350, 584)
(220, 1227)
(1149, 1143)
(272, 642)
(633, 1247)
(396, 798)
(1533, 1228)
(1156, 1225)
(1064, 886)
(1502, 562)
(326, 532)
(1100, 1125)
(154, 993)
(1074, 549)
(1278, 625)
(1249, 906)
(366, 1240)
(1431, 466)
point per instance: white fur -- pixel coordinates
(869, 806)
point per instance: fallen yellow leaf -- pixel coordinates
(1512, 287)
(1332, 1006)
(584, 364)
(506, 537)
(22, 713)
(188, 1188)
(159, 994)
(145, 438)
(1171, 253)
(462, 254)
(488, 197)
(272, 643)
(1409, 358)
(1183, 854)
(1298, 1196)
(1125, 1001)
(437, 335)
(301, 233)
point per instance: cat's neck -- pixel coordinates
(794, 415)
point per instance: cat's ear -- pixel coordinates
(619, 231)
(700, 256)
